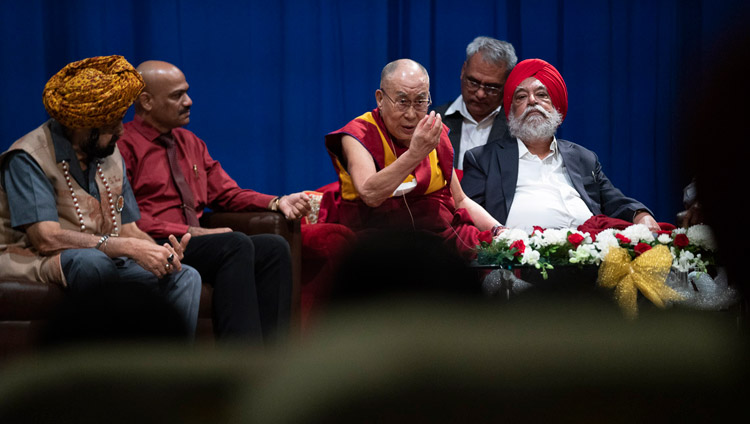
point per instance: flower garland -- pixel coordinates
(692, 249)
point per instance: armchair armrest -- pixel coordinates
(266, 222)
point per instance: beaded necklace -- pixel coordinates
(112, 211)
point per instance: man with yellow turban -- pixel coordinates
(67, 211)
(532, 178)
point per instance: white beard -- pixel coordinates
(536, 127)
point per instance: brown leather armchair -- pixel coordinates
(25, 306)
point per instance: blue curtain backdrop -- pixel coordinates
(270, 78)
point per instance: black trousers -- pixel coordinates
(252, 281)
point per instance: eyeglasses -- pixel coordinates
(490, 90)
(403, 104)
(522, 95)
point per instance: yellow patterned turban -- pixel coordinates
(93, 92)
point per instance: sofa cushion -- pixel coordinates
(30, 300)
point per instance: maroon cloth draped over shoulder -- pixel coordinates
(599, 223)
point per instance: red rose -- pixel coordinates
(681, 240)
(622, 238)
(642, 247)
(575, 239)
(538, 228)
(485, 236)
(519, 246)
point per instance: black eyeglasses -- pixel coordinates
(403, 104)
(474, 86)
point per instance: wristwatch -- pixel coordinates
(275, 204)
(496, 230)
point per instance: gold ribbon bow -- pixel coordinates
(647, 273)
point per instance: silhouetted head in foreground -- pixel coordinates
(388, 264)
(717, 151)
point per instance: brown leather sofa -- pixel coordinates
(25, 306)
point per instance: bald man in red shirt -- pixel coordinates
(174, 178)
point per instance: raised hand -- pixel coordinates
(177, 251)
(426, 136)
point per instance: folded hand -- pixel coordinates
(295, 205)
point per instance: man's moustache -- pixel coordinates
(536, 108)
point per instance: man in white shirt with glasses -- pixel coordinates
(474, 118)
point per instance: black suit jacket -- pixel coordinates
(491, 174)
(454, 121)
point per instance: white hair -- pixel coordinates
(536, 127)
(493, 51)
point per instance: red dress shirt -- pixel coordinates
(155, 190)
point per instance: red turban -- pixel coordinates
(546, 74)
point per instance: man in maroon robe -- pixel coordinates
(395, 165)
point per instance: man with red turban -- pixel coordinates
(67, 211)
(532, 178)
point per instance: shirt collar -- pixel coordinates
(64, 152)
(63, 149)
(459, 106)
(523, 150)
(145, 129)
(455, 106)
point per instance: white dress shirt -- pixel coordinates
(473, 133)
(545, 195)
